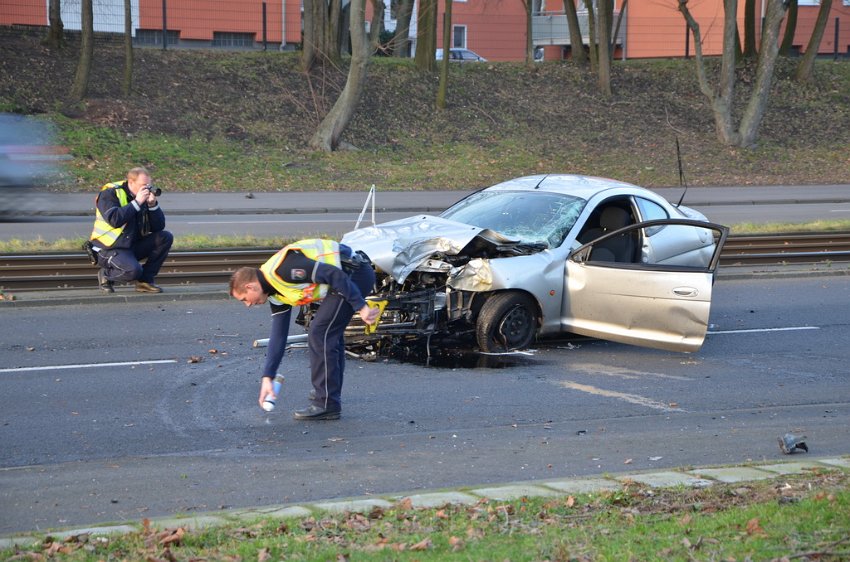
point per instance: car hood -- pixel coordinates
(402, 246)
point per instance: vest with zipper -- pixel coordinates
(296, 294)
(103, 232)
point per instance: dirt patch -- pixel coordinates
(551, 110)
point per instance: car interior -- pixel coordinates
(608, 218)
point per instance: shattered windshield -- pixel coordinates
(531, 216)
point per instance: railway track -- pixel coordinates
(58, 271)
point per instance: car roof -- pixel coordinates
(571, 184)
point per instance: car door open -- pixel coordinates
(647, 284)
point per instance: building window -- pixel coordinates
(459, 36)
(154, 36)
(811, 2)
(230, 39)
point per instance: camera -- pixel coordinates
(154, 189)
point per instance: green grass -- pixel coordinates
(804, 516)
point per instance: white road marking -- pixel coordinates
(87, 366)
(756, 330)
(631, 398)
(622, 372)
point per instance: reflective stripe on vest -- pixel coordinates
(103, 232)
(295, 294)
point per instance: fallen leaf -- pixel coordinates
(263, 555)
(195, 359)
(754, 528)
(424, 544)
(571, 501)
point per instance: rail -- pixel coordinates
(58, 271)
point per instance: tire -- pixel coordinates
(507, 321)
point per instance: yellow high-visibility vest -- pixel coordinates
(296, 294)
(103, 232)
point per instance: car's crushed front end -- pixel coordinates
(430, 270)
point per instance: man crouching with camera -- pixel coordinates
(129, 227)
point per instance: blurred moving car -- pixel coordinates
(461, 55)
(543, 255)
(29, 157)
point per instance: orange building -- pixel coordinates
(495, 29)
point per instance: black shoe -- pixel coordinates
(143, 287)
(312, 412)
(104, 283)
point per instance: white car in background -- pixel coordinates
(543, 255)
(461, 55)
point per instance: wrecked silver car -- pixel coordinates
(544, 255)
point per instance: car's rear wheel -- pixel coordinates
(507, 321)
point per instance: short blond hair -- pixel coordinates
(137, 171)
(242, 277)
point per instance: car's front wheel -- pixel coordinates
(507, 321)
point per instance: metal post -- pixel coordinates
(835, 43)
(164, 26)
(687, 42)
(264, 26)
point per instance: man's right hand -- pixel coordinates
(143, 195)
(266, 389)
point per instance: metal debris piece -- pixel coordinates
(790, 443)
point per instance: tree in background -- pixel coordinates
(426, 36)
(401, 37)
(722, 97)
(55, 38)
(127, 82)
(790, 29)
(806, 67)
(81, 78)
(603, 46)
(578, 53)
(444, 64)
(329, 133)
(750, 29)
(321, 38)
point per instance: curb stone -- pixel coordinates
(696, 477)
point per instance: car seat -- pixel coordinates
(617, 248)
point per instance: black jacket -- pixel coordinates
(132, 214)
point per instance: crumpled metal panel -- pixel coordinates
(476, 275)
(405, 245)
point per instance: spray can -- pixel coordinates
(269, 402)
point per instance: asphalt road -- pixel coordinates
(334, 213)
(133, 410)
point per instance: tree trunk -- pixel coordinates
(721, 100)
(81, 78)
(606, 10)
(577, 50)
(444, 64)
(529, 44)
(401, 40)
(327, 136)
(769, 50)
(376, 26)
(790, 30)
(750, 29)
(320, 40)
(807, 65)
(426, 36)
(591, 41)
(55, 38)
(127, 83)
(617, 27)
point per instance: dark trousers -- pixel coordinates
(326, 343)
(123, 264)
